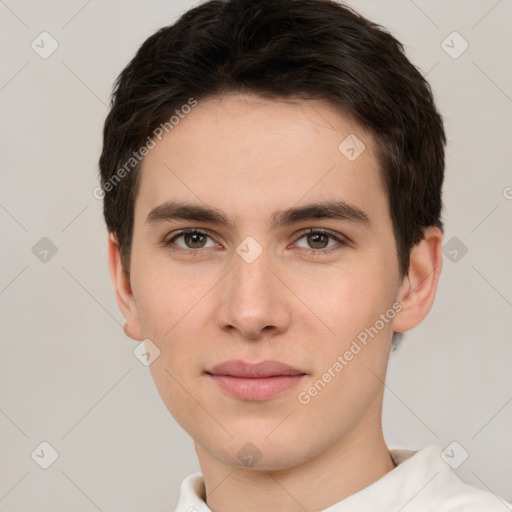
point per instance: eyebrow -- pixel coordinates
(336, 210)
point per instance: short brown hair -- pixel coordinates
(316, 49)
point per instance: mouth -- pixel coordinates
(255, 382)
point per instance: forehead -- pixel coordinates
(248, 154)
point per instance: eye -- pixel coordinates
(319, 241)
(192, 239)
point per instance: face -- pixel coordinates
(265, 277)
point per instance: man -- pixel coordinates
(272, 175)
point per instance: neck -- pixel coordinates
(355, 461)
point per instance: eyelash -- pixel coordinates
(311, 252)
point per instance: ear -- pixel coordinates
(123, 290)
(418, 289)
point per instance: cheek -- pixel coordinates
(346, 299)
(179, 394)
(356, 348)
(168, 306)
(167, 295)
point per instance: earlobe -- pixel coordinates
(123, 290)
(418, 289)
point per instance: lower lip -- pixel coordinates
(256, 389)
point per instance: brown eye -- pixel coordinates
(321, 242)
(190, 240)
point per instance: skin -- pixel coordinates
(250, 157)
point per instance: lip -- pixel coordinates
(255, 381)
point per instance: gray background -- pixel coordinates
(68, 374)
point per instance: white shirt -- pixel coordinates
(421, 482)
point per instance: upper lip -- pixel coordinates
(254, 370)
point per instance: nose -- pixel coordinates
(254, 301)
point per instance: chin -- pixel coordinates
(255, 449)
(263, 458)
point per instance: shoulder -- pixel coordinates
(444, 491)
